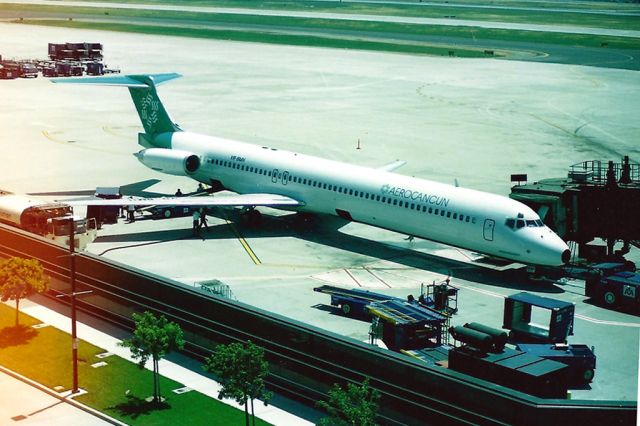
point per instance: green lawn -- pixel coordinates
(258, 37)
(515, 12)
(44, 355)
(331, 32)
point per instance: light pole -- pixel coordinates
(72, 272)
(74, 337)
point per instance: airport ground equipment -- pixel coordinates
(483, 354)
(94, 68)
(442, 297)
(533, 318)
(9, 70)
(579, 358)
(50, 220)
(597, 199)
(305, 360)
(105, 214)
(498, 337)
(438, 355)
(407, 325)
(75, 51)
(65, 60)
(611, 286)
(216, 287)
(352, 302)
(514, 369)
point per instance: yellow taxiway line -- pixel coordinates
(244, 243)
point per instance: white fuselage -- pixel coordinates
(465, 218)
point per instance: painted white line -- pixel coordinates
(603, 322)
(582, 317)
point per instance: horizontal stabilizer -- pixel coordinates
(140, 81)
(154, 117)
(251, 200)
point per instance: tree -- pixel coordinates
(153, 338)
(357, 406)
(241, 370)
(20, 278)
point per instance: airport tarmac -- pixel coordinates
(475, 120)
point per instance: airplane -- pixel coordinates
(482, 222)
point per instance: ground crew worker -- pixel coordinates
(131, 210)
(203, 219)
(196, 223)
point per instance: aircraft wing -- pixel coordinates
(393, 166)
(271, 200)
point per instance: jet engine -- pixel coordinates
(169, 161)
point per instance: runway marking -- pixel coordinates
(352, 277)
(477, 290)
(604, 322)
(244, 243)
(112, 131)
(582, 317)
(593, 126)
(52, 138)
(295, 265)
(377, 277)
(569, 132)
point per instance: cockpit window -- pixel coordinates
(521, 223)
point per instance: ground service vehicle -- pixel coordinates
(614, 288)
(45, 219)
(9, 70)
(28, 70)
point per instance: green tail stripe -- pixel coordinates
(153, 115)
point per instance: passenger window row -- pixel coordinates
(348, 191)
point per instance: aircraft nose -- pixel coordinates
(548, 249)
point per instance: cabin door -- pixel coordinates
(489, 225)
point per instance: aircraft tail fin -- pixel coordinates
(154, 117)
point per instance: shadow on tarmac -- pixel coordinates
(324, 230)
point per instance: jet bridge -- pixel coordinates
(596, 200)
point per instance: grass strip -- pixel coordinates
(456, 35)
(262, 37)
(504, 11)
(117, 389)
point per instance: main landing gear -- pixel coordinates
(251, 217)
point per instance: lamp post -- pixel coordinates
(74, 337)
(72, 272)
